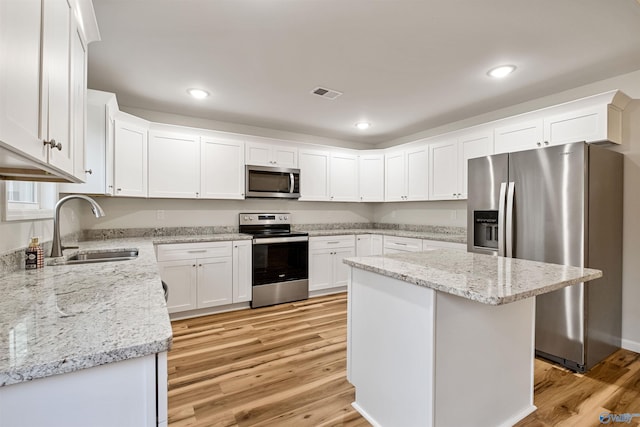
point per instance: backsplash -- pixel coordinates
(118, 233)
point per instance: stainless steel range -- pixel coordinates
(280, 259)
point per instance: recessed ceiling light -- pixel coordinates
(198, 93)
(363, 125)
(501, 71)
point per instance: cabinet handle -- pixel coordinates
(89, 171)
(332, 243)
(118, 189)
(196, 251)
(53, 144)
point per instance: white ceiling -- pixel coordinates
(403, 65)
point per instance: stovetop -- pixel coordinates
(262, 225)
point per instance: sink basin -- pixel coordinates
(100, 256)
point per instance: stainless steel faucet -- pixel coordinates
(57, 248)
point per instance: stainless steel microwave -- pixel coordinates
(267, 182)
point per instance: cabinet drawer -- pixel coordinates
(325, 242)
(180, 251)
(405, 244)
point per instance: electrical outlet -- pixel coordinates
(160, 215)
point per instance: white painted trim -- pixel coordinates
(631, 345)
(365, 415)
(519, 417)
(209, 310)
(329, 291)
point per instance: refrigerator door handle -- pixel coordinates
(509, 220)
(501, 213)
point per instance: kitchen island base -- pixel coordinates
(420, 357)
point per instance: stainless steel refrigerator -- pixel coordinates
(561, 205)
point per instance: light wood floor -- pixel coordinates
(286, 366)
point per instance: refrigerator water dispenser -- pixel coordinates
(485, 229)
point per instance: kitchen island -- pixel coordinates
(446, 338)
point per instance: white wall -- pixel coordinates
(135, 213)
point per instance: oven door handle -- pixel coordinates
(291, 183)
(269, 240)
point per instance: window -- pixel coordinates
(24, 200)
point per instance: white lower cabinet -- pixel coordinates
(207, 274)
(326, 269)
(129, 393)
(394, 245)
(368, 244)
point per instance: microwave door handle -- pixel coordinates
(501, 213)
(291, 182)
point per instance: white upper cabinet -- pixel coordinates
(314, 174)
(101, 107)
(174, 165)
(343, 177)
(56, 103)
(592, 119)
(471, 146)
(518, 137)
(20, 77)
(222, 169)
(371, 177)
(406, 174)
(448, 163)
(443, 170)
(42, 87)
(263, 154)
(130, 156)
(78, 102)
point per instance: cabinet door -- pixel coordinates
(20, 77)
(443, 170)
(174, 165)
(371, 177)
(471, 147)
(130, 160)
(215, 281)
(376, 244)
(222, 169)
(394, 177)
(180, 276)
(242, 271)
(285, 157)
(417, 174)
(344, 177)
(363, 245)
(320, 269)
(340, 269)
(78, 104)
(314, 175)
(56, 105)
(587, 124)
(258, 154)
(518, 137)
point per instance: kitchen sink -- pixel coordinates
(94, 256)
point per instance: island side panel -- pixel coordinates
(391, 338)
(484, 362)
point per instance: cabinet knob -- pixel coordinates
(53, 144)
(199, 265)
(118, 189)
(89, 171)
(546, 143)
(193, 265)
(538, 144)
(197, 194)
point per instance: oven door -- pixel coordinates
(280, 259)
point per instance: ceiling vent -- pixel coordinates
(326, 93)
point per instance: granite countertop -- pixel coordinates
(483, 278)
(64, 318)
(442, 237)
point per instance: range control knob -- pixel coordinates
(286, 217)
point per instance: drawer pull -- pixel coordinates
(199, 251)
(332, 243)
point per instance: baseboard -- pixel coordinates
(189, 314)
(631, 345)
(519, 417)
(328, 291)
(365, 415)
